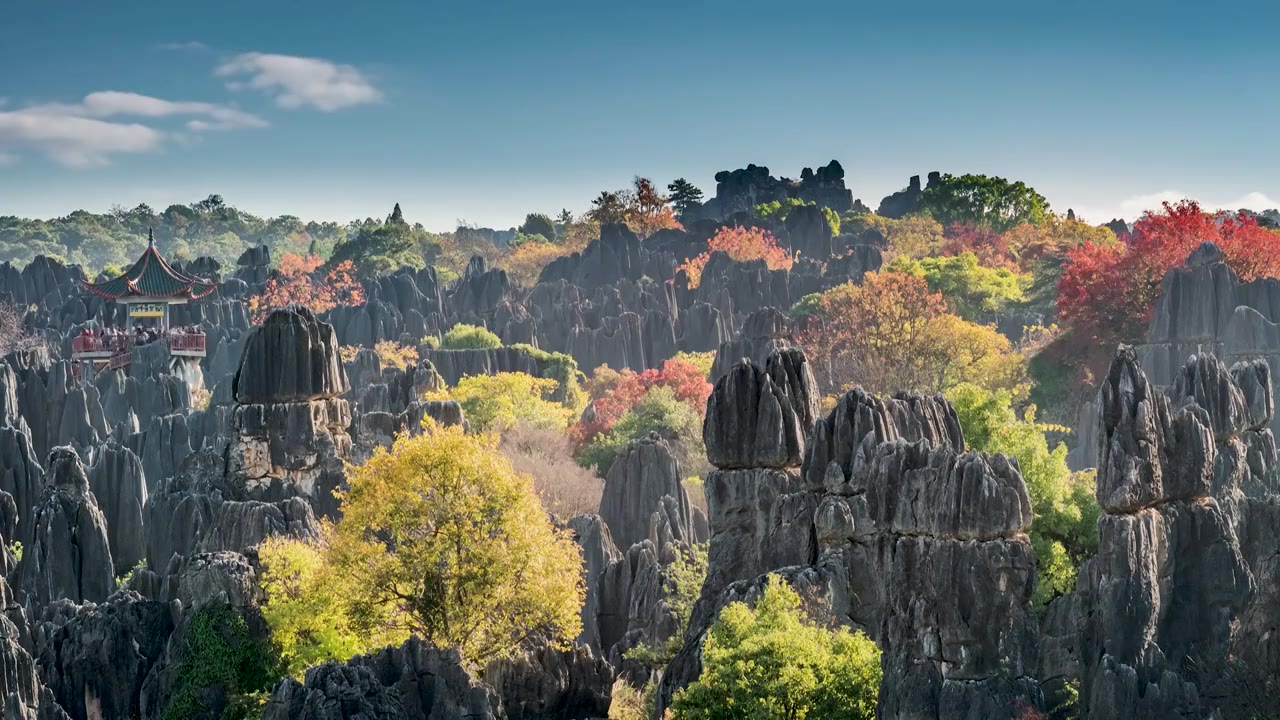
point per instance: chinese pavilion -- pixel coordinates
(148, 288)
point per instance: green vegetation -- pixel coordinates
(440, 538)
(469, 337)
(538, 224)
(771, 662)
(220, 654)
(781, 209)
(382, 247)
(970, 290)
(985, 201)
(683, 579)
(1064, 531)
(563, 369)
(496, 403)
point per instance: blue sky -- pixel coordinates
(483, 111)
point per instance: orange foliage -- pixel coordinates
(741, 244)
(297, 284)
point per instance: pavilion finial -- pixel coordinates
(151, 237)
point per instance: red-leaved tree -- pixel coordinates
(297, 283)
(1107, 294)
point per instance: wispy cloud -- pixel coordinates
(72, 140)
(189, 46)
(82, 135)
(214, 117)
(296, 82)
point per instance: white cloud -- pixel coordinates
(190, 46)
(81, 135)
(297, 82)
(72, 140)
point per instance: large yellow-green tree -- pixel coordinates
(440, 538)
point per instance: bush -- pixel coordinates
(772, 662)
(431, 341)
(441, 538)
(495, 403)
(565, 488)
(563, 369)
(469, 337)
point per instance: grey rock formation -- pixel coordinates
(757, 417)
(21, 480)
(544, 683)
(1203, 308)
(23, 695)
(121, 491)
(902, 534)
(69, 556)
(97, 661)
(291, 357)
(410, 682)
(644, 473)
(1162, 597)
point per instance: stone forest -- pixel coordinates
(771, 454)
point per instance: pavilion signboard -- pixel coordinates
(146, 310)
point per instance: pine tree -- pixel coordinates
(397, 217)
(684, 195)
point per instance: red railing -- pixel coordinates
(188, 342)
(122, 344)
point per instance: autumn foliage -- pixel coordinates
(893, 333)
(613, 393)
(297, 283)
(1107, 293)
(741, 244)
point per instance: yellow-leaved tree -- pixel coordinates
(440, 538)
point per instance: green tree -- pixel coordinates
(969, 288)
(440, 538)
(1064, 527)
(770, 662)
(684, 195)
(982, 200)
(379, 248)
(396, 217)
(538, 224)
(495, 403)
(469, 337)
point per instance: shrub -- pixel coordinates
(565, 488)
(393, 354)
(469, 337)
(741, 244)
(431, 341)
(771, 661)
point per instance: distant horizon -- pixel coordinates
(482, 113)
(1130, 208)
